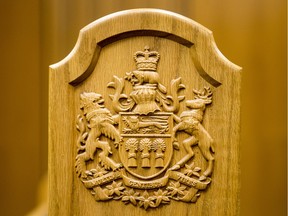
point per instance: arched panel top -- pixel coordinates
(143, 22)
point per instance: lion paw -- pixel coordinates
(202, 178)
(117, 166)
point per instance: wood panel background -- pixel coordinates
(252, 34)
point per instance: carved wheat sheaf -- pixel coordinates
(143, 132)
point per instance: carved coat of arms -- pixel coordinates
(126, 154)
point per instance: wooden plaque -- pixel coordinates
(144, 119)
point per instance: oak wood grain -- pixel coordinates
(105, 48)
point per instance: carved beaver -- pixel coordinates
(141, 77)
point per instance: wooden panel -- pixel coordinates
(105, 49)
(250, 33)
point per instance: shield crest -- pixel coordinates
(146, 150)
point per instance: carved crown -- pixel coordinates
(146, 60)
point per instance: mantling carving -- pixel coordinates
(144, 131)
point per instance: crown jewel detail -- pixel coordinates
(146, 60)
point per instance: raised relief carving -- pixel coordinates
(190, 122)
(128, 156)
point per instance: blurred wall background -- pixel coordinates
(37, 33)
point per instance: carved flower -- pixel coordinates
(192, 170)
(115, 188)
(130, 196)
(176, 188)
(146, 200)
(161, 197)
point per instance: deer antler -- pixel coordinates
(205, 95)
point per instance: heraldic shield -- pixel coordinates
(144, 114)
(147, 143)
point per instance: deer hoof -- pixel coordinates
(175, 167)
